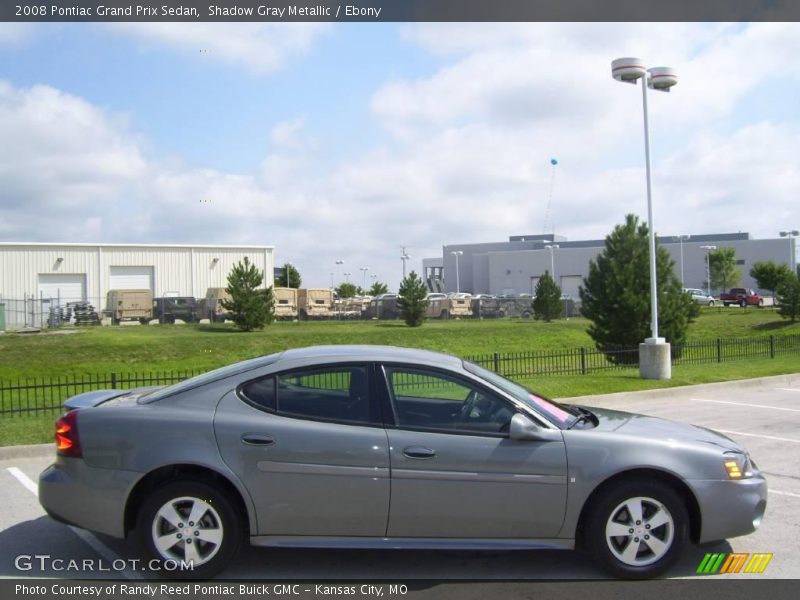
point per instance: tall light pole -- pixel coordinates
(681, 238)
(708, 250)
(792, 246)
(654, 354)
(457, 253)
(288, 268)
(347, 277)
(364, 273)
(630, 70)
(404, 256)
(552, 248)
(339, 263)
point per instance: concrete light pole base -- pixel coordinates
(654, 359)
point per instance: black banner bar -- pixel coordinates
(399, 10)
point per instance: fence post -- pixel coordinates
(497, 362)
(583, 361)
(772, 346)
(113, 381)
(719, 350)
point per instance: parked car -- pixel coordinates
(700, 296)
(743, 297)
(307, 447)
(169, 309)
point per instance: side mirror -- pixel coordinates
(522, 428)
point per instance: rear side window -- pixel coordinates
(330, 394)
(260, 393)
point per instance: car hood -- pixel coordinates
(657, 428)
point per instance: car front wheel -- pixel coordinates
(638, 529)
(192, 528)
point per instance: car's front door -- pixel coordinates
(309, 447)
(455, 471)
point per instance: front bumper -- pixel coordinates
(730, 508)
(94, 499)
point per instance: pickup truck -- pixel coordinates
(743, 297)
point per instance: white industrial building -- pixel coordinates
(61, 273)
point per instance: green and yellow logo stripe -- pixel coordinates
(721, 563)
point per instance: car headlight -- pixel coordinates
(737, 465)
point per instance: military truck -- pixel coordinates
(315, 303)
(449, 307)
(383, 307)
(211, 306)
(170, 309)
(285, 303)
(130, 305)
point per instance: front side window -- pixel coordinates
(431, 400)
(329, 394)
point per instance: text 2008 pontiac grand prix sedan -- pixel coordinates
(382, 447)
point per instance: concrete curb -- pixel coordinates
(792, 380)
(29, 451)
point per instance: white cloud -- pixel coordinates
(259, 47)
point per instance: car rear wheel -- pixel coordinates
(638, 529)
(711, 303)
(192, 528)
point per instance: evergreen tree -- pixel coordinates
(789, 298)
(722, 267)
(412, 300)
(248, 303)
(269, 302)
(547, 299)
(615, 296)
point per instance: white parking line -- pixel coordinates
(747, 404)
(784, 493)
(758, 435)
(788, 389)
(107, 553)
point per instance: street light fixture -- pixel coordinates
(681, 238)
(708, 250)
(552, 248)
(364, 273)
(457, 253)
(630, 70)
(404, 256)
(347, 277)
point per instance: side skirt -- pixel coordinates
(279, 541)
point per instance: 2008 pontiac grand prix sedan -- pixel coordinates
(382, 447)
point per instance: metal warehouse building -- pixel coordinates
(514, 267)
(61, 273)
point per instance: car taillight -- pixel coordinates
(67, 441)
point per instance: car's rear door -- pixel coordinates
(455, 471)
(310, 448)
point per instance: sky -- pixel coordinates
(346, 141)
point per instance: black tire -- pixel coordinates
(655, 499)
(711, 303)
(761, 303)
(526, 314)
(726, 303)
(444, 315)
(220, 517)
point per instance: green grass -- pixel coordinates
(191, 347)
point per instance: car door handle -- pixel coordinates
(419, 452)
(255, 439)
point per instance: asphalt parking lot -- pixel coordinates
(764, 417)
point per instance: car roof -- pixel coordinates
(371, 353)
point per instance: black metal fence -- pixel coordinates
(43, 395)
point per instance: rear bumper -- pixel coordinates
(730, 508)
(90, 498)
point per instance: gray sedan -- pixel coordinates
(382, 447)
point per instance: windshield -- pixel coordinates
(208, 377)
(557, 413)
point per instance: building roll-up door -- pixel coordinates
(67, 287)
(131, 278)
